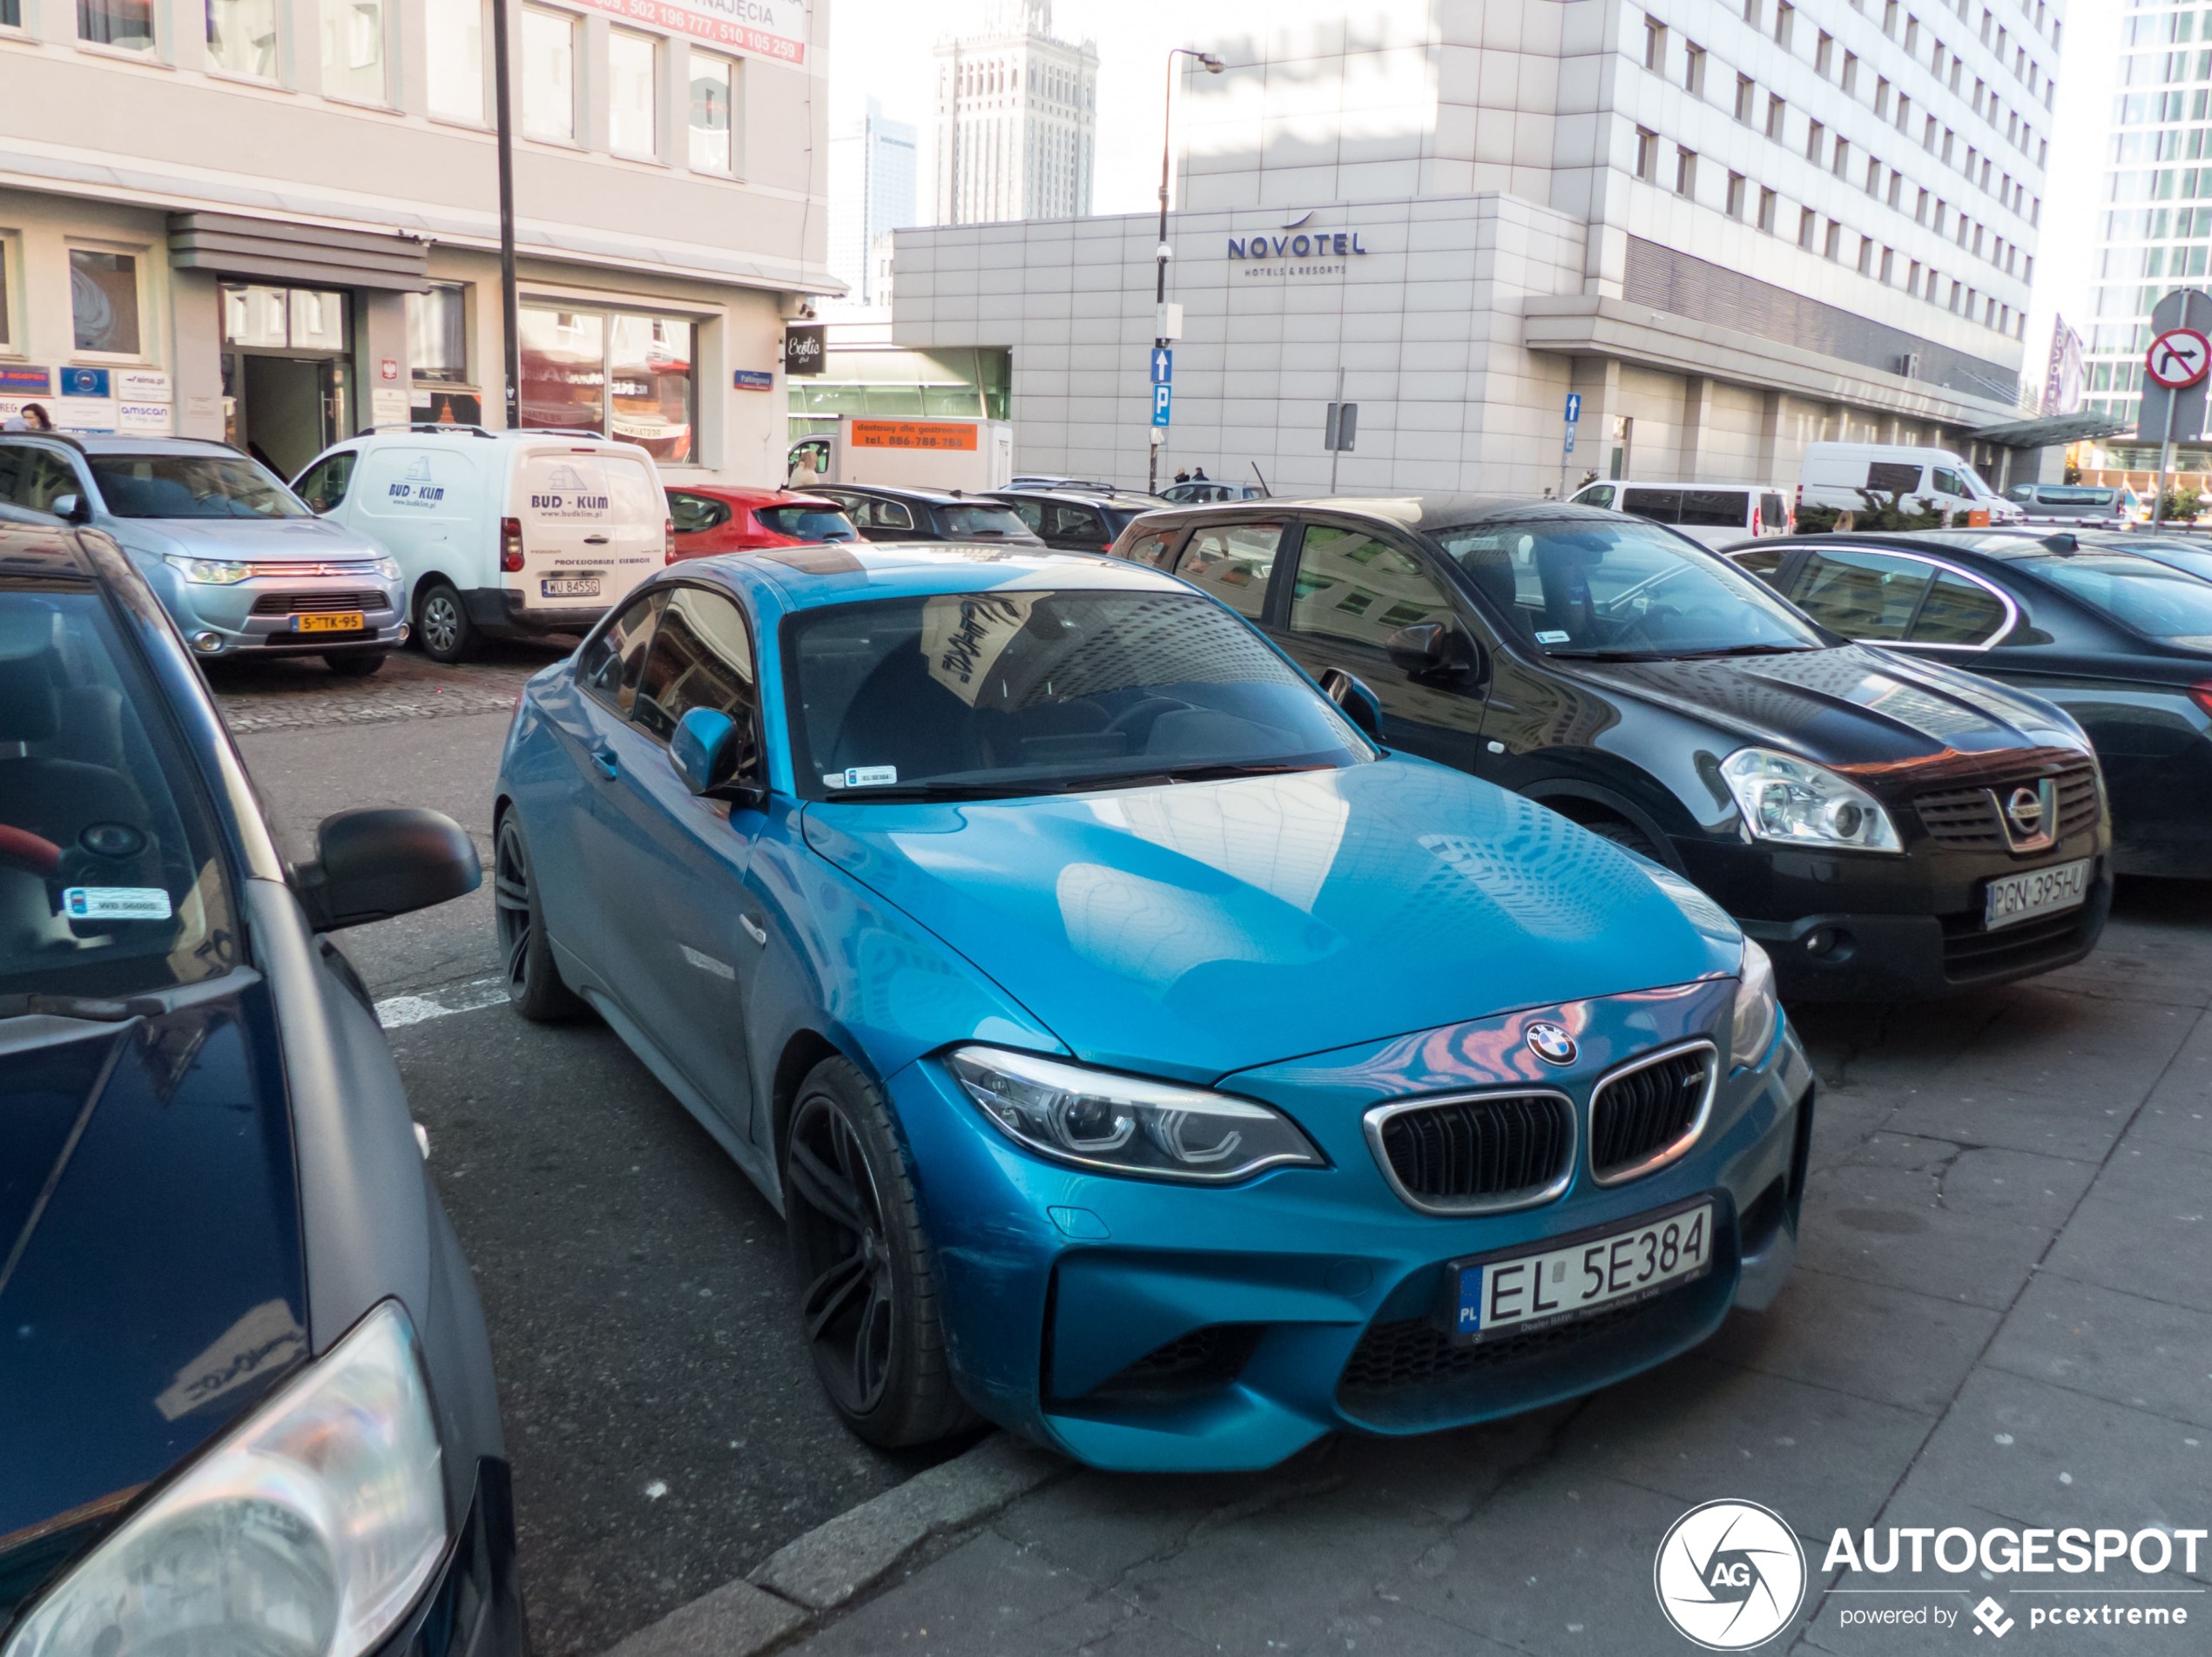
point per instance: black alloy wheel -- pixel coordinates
(441, 624)
(533, 982)
(869, 1294)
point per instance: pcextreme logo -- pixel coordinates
(1729, 1575)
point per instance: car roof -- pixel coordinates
(854, 571)
(746, 495)
(1405, 511)
(902, 492)
(1673, 484)
(2002, 545)
(97, 443)
(1082, 497)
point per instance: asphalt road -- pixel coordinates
(666, 1430)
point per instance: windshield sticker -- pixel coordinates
(115, 903)
(862, 777)
(1553, 636)
(963, 636)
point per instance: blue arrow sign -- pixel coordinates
(1162, 365)
(1162, 397)
(1574, 408)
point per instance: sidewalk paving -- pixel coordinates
(2001, 1314)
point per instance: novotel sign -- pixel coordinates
(1304, 245)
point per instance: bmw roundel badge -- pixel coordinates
(1550, 1042)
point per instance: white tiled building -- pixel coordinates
(1731, 228)
(1017, 119)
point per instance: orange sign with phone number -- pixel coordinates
(910, 433)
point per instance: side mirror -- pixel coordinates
(70, 507)
(1430, 649)
(373, 864)
(1359, 705)
(709, 752)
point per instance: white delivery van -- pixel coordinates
(969, 456)
(499, 532)
(1842, 476)
(1719, 514)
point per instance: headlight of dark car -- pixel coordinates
(1118, 1124)
(307, 1532)
(1783, 797)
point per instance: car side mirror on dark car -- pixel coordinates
(1359, 705)
(715, 757)
(392, 861)
(1430, 651)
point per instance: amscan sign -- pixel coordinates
(1284, 253)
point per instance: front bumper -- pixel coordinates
(505, 612)
(262, 616)
(1144, 1326)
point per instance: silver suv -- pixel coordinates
(239, 563)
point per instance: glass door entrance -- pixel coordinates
(286, 384)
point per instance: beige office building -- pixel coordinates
(275, 221)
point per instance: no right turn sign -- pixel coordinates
(2179, 357)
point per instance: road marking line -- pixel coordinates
(400, 1010)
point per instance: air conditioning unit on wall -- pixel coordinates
(1909, 365)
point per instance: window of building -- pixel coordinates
(1851, 73)
(1739, 187)
(1897, 187)
(1889, 19)
(1785, 18)
(1824, 54)
(10, 17)
(1840, 163)
(1693, 74)
(1685, 171)
(1655, 45)
(1833, 247)
(1904, 113)
(437, 334)
(633, 94)
(1889, 265)
(1751, 12)
(548, 75)
(714, 102)
(1865, 255)
(1882, 97)
(127, 25)
(1746, 99)
(353, 49)
(1815, 135)
(103, 301)
(454, 58)
(618, 372)
(241, 37)
(1912, 35)
(1912, 279)
(1776, 112)
(1808, 222)
(1770, 210)
(1646, 155)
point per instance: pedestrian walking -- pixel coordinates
(1183, 477)
(1198, 476)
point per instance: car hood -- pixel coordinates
(1195, 929)
(149, 1202)
(1859, 710)
(257, 540)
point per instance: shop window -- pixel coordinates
(633, 94)
(318, 320)
(281, 318)
(626, 375)
(437, 334)
(7, 308)
(103, 301)
(241, 37)
(714, 99)
(353, 49)
(548, 75)
(11, 14)
(454, 58)
(125, 25)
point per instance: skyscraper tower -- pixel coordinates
(871, 194)
(1017, 118)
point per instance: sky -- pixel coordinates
(886, 51)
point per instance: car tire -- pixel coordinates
(441, 624)
(870, 1300)
(355, 665)
(534, 983)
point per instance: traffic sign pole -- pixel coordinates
(2179, 357)
(1567, 448)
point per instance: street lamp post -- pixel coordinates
(1213, 65)
(510, 319)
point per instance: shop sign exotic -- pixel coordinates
(773, 29)
(805, 350)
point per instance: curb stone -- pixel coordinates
(846, 1555)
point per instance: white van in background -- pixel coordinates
(1841, 476)
(1719, 514)
(499, 533)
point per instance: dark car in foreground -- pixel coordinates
(245, 1395)
(1848, 807)
(2113, 628)
(881, 513)
(1070, 521)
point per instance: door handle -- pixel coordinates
(595, 541)
(753, 929)
(605, 760)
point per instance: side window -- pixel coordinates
(1892, 477)
(35, 477)
(324, 487)
(1957, 611)
(1661, 506)
(1717, 508)
(611, 664)
(1080, 521)
(1774, 513)
(1947, 482)
(701, 656)
(1150, 549)
(694, 514)
(1765, 562)
(891, 515)
(1862, 595)
(1030, 512)
(1233, 563)
(1597, 494)
(1357, 589)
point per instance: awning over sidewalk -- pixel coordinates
(298, 255)
(2051, 431)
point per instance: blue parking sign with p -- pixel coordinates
(1161, 397)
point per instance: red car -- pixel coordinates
(715, 517)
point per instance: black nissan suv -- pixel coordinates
(1886, 827)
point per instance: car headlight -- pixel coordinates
(1124, 1124)
(306, 1532)
(1751, 1030)
(1793, 800)
(208, 572)
(388, 568)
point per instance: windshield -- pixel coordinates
(1621, 589)
(985, 695)
(982, 521)
(110, 884)
(2151, 598)
(808, 522)
(192, 485)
